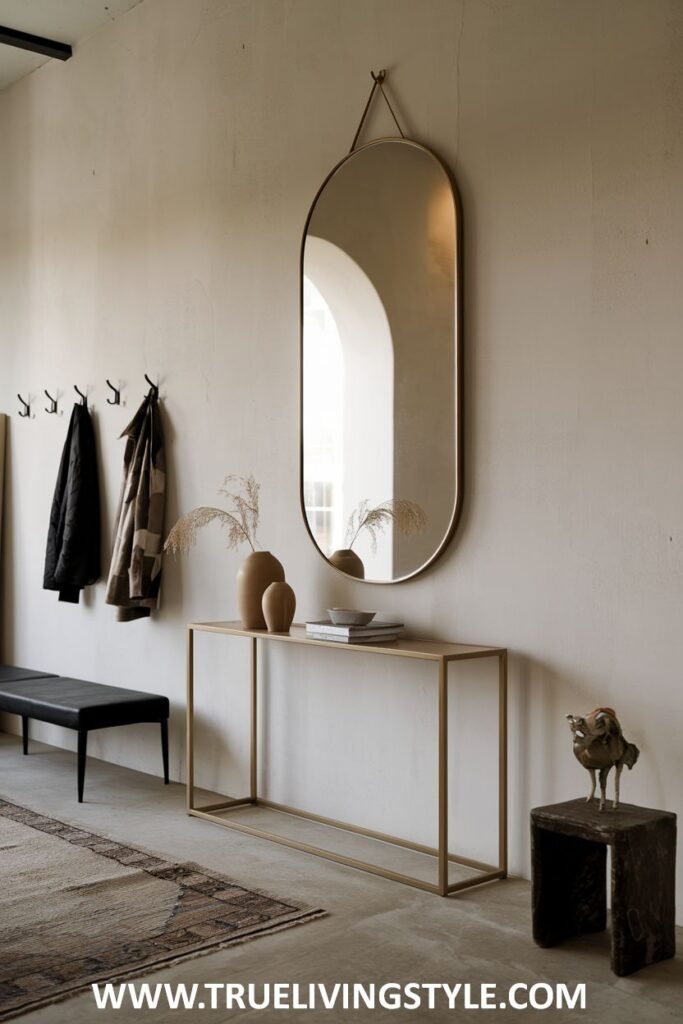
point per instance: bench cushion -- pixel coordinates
(8, 672)
(79, 704)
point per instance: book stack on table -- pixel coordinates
(374, 632)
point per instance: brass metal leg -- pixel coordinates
(502, 762)
(253, 788)
(189, 768)
(443, 777)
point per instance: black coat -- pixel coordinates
(72, 559)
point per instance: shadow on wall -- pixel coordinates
(105, 515)
(171, 601)
(537, 720)
(209, 735)
(7, 565)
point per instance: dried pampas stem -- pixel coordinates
(241, 521)
(406, 516)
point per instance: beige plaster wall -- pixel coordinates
(153, 191)
(3, 420)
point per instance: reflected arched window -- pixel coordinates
(348, 400)
(323, 416)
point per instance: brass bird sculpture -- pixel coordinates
(599, 745)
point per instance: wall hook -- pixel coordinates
(53, 407)
(84, 398)
(26, 405)
(154, 387)
(116, 400)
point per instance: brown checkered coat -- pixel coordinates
(135, 572)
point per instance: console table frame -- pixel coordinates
(440, 654)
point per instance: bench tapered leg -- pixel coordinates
(24, 732)
(164, 747)
(82, 749)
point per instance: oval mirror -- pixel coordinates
(381, 362)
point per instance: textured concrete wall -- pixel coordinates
(153, 191)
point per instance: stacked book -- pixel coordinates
(373, 633)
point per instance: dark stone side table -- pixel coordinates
(569, 893)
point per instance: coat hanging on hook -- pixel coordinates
(135, 570)
(72, 557)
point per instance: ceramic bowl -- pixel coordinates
(350, 616)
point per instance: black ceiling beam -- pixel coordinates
(36, 44)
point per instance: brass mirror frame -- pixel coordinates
(457, 341)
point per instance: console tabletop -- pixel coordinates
(433, 650)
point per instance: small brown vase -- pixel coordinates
(257, 572)
(279, 605)
(349, 562)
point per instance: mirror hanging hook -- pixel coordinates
(377, 83)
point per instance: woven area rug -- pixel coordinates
(77, 908)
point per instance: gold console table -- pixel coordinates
(441, 654)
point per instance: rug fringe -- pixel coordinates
(161, 965)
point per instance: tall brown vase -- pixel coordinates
(257, 572)
(349, 562)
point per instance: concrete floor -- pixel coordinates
(377, 931)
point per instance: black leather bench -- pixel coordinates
(9, 672)
(80, 705)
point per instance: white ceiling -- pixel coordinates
(67, 21)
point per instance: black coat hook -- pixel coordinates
(26, 405)
(53, 407)
(84, 398)
(116, 400)
(154, 387)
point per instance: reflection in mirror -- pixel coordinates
(380, 461)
